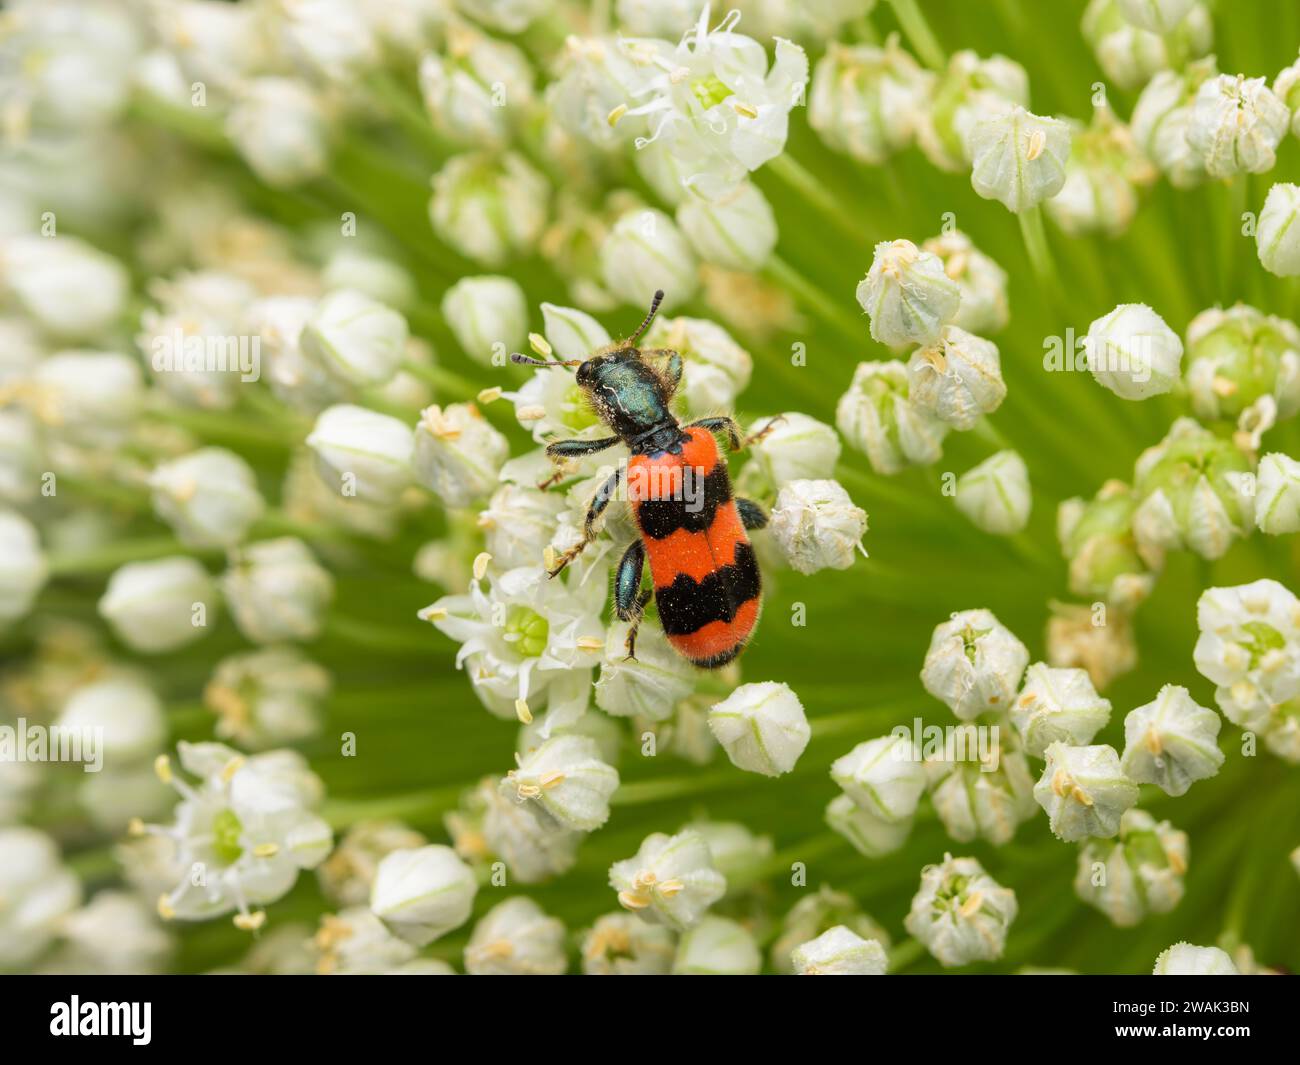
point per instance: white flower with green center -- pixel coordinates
(471, 86)
(1171, 742)
(567, 780)
(878, 417)
(1277, 495)
(516, 938)
(423, 894)
(839, 951)
(907, 294)
(23, 567)
(974, 664)
(39, 892)
(1236, 124)
(1139, 873)
(1133, 353)
(736, 231)
(488, 315)
(980, 794)
(1161, 119)
(159, 606)
(867, 101)
(249, 823)
(71, 289)
(620, 944)
(869, 834)
(267, 698)
(1277, 236)
(1084, 791)
(1058, 705)
(715, 105)
(969, 88)
(995, 494)
(817, 913)
(1250, 647)
(957, 378)
(671, 880)
(1196, 492)
(715, 369)
(762, 727)
(960, 913)
(361, 453)
(209, 497)
(644, 252)
(1184, 959)
(817, 526)
(489, 208)
(981, 281)
(277, 591)
(883, 777)
(279, 127)
(1018, 158)
(717, 946)
(526, 640)
(1105, 559)
(457, 453)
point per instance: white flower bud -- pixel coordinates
(1277, 236)
(1242, 365)
(738, 854)
(1141, 872)
(209, 497)
(516, 520)
(715, 369)
(595, 79)
(1161, 119)
(370, 272)
(72, 290)
(645, 252)
(21, 462)
(1018, 158)
(717, 946)
(970, 88)
(866, 101)
(957, 378)
(361, 453)
(1133, 353)
(1158, 16)
(516, 938)
(1075, 640)
(1235, 125)
(458, 454)
(797, 448)
(1058, 705)
(471, 85)
(671, 880)
(23, 568)
(267, 698)
(878, 417)
(871, 836)
(974, 664)
(1277, 495)
(128, 714)
(762, 728)
(332, 38)
(817, 525)
(566, 778)
(574, 334)
(737, 232)
(818, 912)
(960, 913)
(490, 209)
(1129, 52)
(39, 893)
(277, 591)
(1084, 791)
(907, 294)
(161, 605)
(1171, 742)
(995, 494)
(980, 790)
(279, 127)
(354, 338)
(882, 777)
(488, 315)
(619, 944)
(89, 398)
(354, 942)
(1184, 959)
(424, 893)
(983, 283)
(839, 951)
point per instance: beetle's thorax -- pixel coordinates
(629, 397)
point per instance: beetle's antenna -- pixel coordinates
(528, 360)
(650, 317)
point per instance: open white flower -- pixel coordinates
(907, 294)
(762, 727)
(516, 938)
(671, 880)
(961, 913)
(567, 780)
(974, 664)
(1084, 791)
(878, 416)
(715, 105)
(1171, 742)
(424, 893)
(1139, 873)
(1058, 705)
(995, 494)
(817, 525)
(1018, 158)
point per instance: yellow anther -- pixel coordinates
(522, 712)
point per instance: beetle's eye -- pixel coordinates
(584, 373)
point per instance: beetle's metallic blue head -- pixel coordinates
(627, 393)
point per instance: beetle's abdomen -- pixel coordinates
(705, 574)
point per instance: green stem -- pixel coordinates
(813, 297)
(111, 556)
(793, 173)
(1039, 252)
(918, 33)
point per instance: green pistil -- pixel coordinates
(969, 637)
(226, 830)
(528, 631)
(578, 414)
(710, 91)
(1263, 638)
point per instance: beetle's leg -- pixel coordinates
(601, 500)
(721, 424)
(751, 514)
(573, 449)
(630, 643)
(754, 438)
(629, 600)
